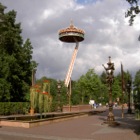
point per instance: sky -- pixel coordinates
(107, 33)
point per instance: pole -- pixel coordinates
(129, 102)
(68, 76)
(109, 71)
(70, 96)
(123, 89)
(33, 76)
(69, 73)
(58, 94)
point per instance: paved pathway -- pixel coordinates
(84, 128)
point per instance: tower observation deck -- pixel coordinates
(71, 35)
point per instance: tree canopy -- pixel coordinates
(15, 59)
(133, 10)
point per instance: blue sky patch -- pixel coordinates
(85, 1)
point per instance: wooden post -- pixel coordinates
(123, 89)
(70, 96)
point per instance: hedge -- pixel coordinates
(12, 108)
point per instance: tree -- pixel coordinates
(127, 77)
(89, 86)
(133, 10)
(104, 88)
(15, 59)
(137, 90)
(81, 88)
(116, 89)
(137, 81)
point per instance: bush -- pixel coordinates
(12, 108)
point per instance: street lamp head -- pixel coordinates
(59, 86)
(109, 71)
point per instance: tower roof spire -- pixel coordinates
(71, 24)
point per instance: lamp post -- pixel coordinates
(109, 79)
(58, 91)
(129, 111)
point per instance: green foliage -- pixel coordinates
(116, 89)
(53, 101)
(40, 96)
(137, 90)
(89, 86)
(118, 85)
(11, 108)
(104, 89)
(41, 103)
(137, 81)
(15, 60)
(92, 86)
(133, 10)
(53, 84)
(53, 91)
(64, 96)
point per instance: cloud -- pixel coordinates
(107, 33)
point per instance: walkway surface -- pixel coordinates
(84, 128)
